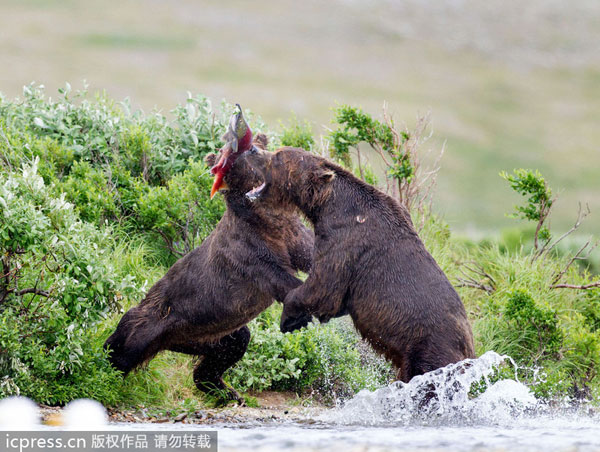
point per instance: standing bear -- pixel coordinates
(203, 303)
(368, 261)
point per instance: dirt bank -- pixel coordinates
(271, 407)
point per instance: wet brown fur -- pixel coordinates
(203, 303)
(368, 260)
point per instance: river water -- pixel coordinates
(434, 412)
(538, 434)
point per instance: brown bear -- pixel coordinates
(203, 303)
(368, 261)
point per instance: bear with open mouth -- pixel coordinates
(202, 305)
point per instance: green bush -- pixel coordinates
(181, 212)
(539, 199)
(552, 334)
(88, 188)
(109, 160)
(329, 359)
(57, 284)
(298, 134)
(537, 325)
(95, 130)
(355, 127)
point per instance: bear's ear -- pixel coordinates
(210, 159)
(261, 140)
(325, 175)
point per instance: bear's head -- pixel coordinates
(242, 177)
(291, 176)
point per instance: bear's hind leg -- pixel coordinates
(218, 357)
(137, 339)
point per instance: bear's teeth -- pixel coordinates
(253, 194)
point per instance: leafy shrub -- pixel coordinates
(539, 199)
(94, 130)
(107, 159)
(264, 366)
(537, 325)
(399, 152)
(298, 134)
(330, 359)
(549, 333)
(358, 127)
(57, 284)
(88, 189)
(181, 212)
(550, 329)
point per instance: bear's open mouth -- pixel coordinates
(259, 161)
(255, 193)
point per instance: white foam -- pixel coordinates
(441, 397)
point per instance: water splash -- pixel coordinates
(442, 397)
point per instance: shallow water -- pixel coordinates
(433, 412)
(538, 434)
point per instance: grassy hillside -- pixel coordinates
(509, 85)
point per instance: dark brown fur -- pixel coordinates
(368, 260)
(203, 303)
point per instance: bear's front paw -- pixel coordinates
(289, 324)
